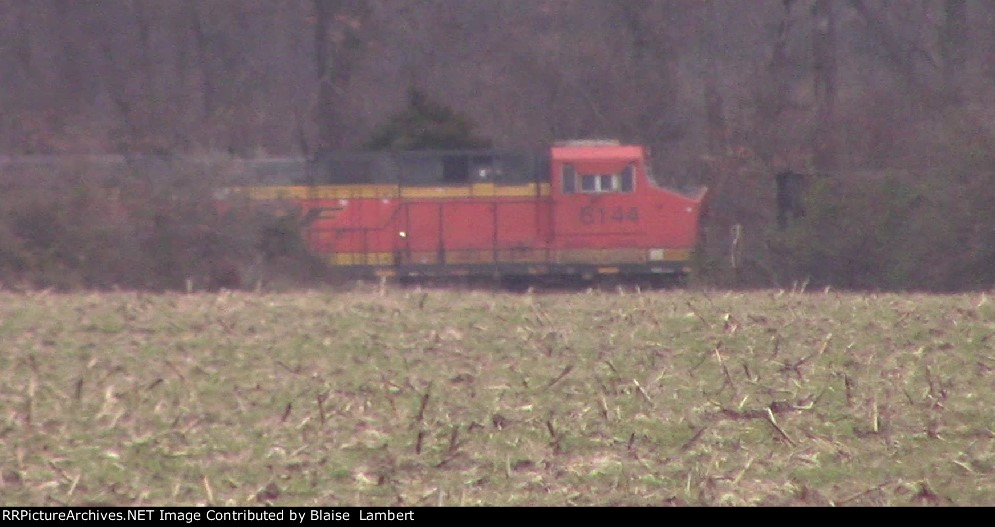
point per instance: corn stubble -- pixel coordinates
(401, 397)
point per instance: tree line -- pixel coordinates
(892, 102)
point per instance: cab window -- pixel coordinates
(623, 181)
(569, 179)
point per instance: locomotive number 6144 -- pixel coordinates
(574, 211)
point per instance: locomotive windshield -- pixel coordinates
(591, 183)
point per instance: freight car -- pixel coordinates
(580, 211)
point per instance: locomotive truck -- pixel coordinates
(579, 211)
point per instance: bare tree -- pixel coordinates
(715, 119)
(824, 148)
(339, 41)
(954, 41)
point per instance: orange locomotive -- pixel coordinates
(581, 210)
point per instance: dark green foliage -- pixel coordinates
(888, 231)
(142, 232)
(425, 125)
(280, 237)
(880, 230)
(59, 237)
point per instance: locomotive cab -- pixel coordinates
(609, 212)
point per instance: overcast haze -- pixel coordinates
(727, 93)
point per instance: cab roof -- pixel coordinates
(597, 152)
